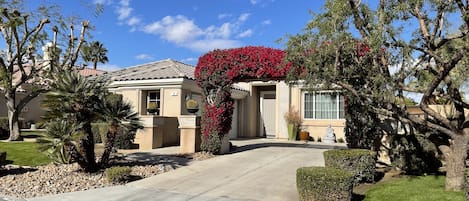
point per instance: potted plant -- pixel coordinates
(293, 119)
(304, 135)
(152, 108)
(192, 106)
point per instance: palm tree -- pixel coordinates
(94, 52)
(120, 117)
(73, 98)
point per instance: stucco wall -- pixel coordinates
(31, 112)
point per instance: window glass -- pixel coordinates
(323, 105)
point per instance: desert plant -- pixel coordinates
(324, 183)
(360, 162)
(59, 141)
(118, 174)
(3, 158)
(293, 117)
(120, 117)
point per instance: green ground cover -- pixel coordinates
(422, 188)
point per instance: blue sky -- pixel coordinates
(141, 31)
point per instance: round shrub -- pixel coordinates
(3, 158)
(324, 183)
(360, 162)
(118, 174)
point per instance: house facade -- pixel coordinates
(259, 107)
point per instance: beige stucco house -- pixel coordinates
(259, 106)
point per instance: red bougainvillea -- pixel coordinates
(217, 70)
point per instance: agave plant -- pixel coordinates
(59, 142)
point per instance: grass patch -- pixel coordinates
(422, 188)
(24, 153)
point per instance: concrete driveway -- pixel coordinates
(258, 170)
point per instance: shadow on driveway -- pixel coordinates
(237, 149)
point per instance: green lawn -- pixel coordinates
(423, 188)
(24, 153)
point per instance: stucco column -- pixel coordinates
(151, 136)
(283, 105)
(189, 126)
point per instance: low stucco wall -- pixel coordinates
(317, 128)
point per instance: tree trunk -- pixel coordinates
(456, 163)
(110, 138)
(13, 122)
(87, 148)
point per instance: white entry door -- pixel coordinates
(268, 114)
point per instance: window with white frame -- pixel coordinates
(153, 97)
(323, 105)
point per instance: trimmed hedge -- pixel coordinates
(324, 184)
(118, 174)
(360, 162)
(124, 138)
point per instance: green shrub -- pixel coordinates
(3, 128)
(124, 138)
(118, 174)
(466, 183)
(324, 184)
(360, 162)
(3, 158)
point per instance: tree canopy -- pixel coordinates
(380, 53)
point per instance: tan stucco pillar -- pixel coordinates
(283, 106)
(189, 126)
(151, 136)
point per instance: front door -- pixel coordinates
(268, 114)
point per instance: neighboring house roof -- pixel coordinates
(164, 69)
(89, 72)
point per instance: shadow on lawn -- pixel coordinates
(237, 149)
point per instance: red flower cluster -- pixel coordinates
(221, 68)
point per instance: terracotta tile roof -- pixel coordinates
(163, 69)
(89, 72)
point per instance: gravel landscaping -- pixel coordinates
(26, 182)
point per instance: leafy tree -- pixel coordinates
(23, 33)
(94, 52)
(377, 53)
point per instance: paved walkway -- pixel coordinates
(258, 170)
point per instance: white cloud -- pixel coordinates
(103, 2)
(208, 44)
(133, 21)
(266, 22)
(109, 67)
(243, 17)
(185, 32)
(224, 15)
(176, 29)
(246, 33)
(144, 57)
(254, 2)
(123, 12)
(189, 60)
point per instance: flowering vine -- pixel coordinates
(217, 70)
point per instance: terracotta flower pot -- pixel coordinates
(304, 135)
